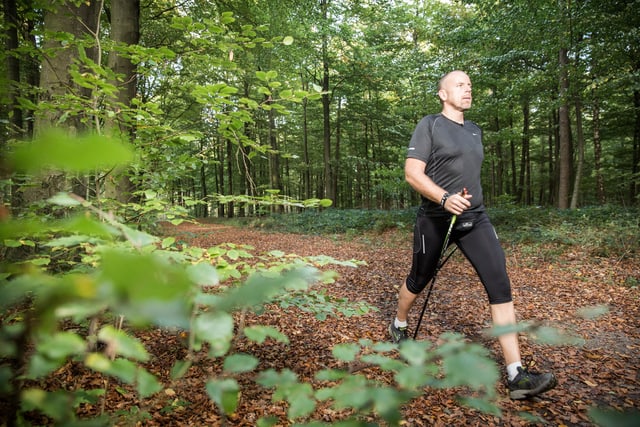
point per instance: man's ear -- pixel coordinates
(442, 94)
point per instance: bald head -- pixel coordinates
(454, 90)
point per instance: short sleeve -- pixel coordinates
(421, 143)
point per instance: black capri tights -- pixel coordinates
(480, 245)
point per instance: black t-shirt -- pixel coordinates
(453, 154)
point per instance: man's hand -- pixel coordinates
(458, 202)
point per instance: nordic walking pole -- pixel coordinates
(441, 262)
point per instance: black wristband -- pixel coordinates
(445, 196)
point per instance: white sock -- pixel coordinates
(399, 324)
(512, 370)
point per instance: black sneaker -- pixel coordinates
(528, 384)
(398, 334)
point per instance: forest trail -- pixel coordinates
(601, 372)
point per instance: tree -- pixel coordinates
(124, 17)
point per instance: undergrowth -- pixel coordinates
(603, 231)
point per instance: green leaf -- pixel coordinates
(87, 153)
(412, 377)
(300, 401)
(70, 241)
(54, 404)
(167, 242)
(64, 199)
(61, 345)
(83, 224)
(225, 393)
(593, 312)
(180, 368)
(260, 333)
(237, 363)
(271, 378)
(345, 352)
(138, 238)
(215, 328)
(470, 369)
(415, 352)
(287, 41)
(145, 288)
(118, 342)
(146, 383)
(40, 366)
(203, 274)
(554, 336)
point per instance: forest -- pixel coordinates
(231, 104)
(163, 163)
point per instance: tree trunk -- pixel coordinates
(564, 159)
(56, 83)
(597, 152)
(635, 167)
(336, 170)
(329, 190)
(580, 167)
(306, 174)
(13, 114)
(125, 32)
(229, 155)
(523, 190)
(55, 79)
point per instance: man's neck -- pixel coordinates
(453, 115)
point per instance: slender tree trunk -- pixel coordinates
(580, 166)
(514, 170)
(306, 174)
(31, 69)
(336, 170)
(13, 114)
(497, 180)
(329, 190)
(597, 152)
(524, 156)
(635, 168)
(275, 180)
(552, 141)
(220, 175)
(229, 155)
(565, 158)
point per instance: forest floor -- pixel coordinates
(601, 372)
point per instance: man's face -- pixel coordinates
(456, 91)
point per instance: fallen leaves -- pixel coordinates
(602, 372)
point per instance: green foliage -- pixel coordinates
(419, 365)
(322, 305)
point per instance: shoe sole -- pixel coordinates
(524, 394)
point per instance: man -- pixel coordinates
(443, 164)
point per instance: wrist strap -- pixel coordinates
(445, 196)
